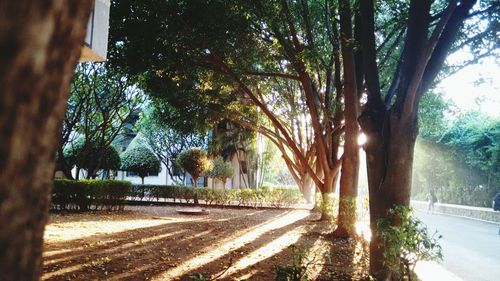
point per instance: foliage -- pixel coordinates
(462, 165)
(327, 204)
(81, 195)
(195, 162)
(432, 110)
(198, 277)
(276, 197)
(165, 141)
(140, 159)
(220, 170)
(89, 155)
(100, 104)
(301, 261)
(348, 207)
(406, 241)
(280, 197)
(297, 271)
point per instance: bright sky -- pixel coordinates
(465, 91)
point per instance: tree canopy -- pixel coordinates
(141, 160)
(195, 162)
(92, 157)
(325, 58)
(220, 170)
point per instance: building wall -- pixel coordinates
(163, 177)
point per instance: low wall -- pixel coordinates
(486, 214)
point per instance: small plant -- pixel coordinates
(297, 271)
(301, 263)
(406, 241)
(198, 277)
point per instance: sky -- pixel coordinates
(462, 87)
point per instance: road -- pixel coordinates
(471, 248)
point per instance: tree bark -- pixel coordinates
(195, 186)
(307, 188)
(327, 198)
(40, 42)
(389, 180)
(350, 159)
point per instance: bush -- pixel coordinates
(246, 196)
(406, 243)
(154, 192)
(277, 198)
(81, 195)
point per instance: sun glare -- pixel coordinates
(361, 139)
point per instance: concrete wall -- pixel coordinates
(486, 214)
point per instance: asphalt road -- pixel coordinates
(471, 248)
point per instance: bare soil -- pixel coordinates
(157, 243)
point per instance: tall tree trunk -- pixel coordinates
(40, 42)
(350, 158)
(327, 196)
(389, 150)
(307, 188)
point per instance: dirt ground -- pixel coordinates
(157, 243)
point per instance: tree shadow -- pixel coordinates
(140, 254)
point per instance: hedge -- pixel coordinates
(84, 194)
(273, 197)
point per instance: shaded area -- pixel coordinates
(227, 244)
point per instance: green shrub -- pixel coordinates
(82, 195)
(187, 193)
(277, 198)
(246, 196)
(208, 195)
(407, 242)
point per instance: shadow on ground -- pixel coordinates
(227, 245)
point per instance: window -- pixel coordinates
(134, 174)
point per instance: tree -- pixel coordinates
(390, 121)
(92, 158)
(232, 50)
(141, 160)
(101, 102)
(195, 162)
(40, 43)
(240, 47)
(165, 141)
(221, 170)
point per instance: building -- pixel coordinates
(95, 47)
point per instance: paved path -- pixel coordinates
(471, 248)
